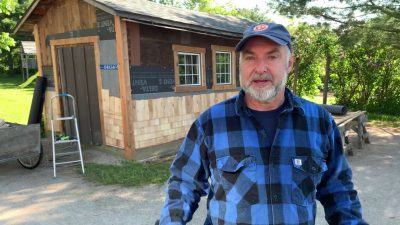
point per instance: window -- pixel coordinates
(189, 68)
(224, 66)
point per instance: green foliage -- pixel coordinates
(365, 65)
(210, 6)
(129, 173)
(349, 13)
(366, 73)
(6, 41)
(308, 59)
(10, 61)
(7, 6)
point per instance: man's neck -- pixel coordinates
(265, 106)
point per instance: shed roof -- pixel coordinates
(28, 47)
(147, 12)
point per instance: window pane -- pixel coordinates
(218, 69)
(189, 70)
(181, 59)
(181, 70)
(195, 79)
(189, 80)
(196, 70)
(195, 59)
(182, 80)
(228, 79)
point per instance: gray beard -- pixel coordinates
(266, 94)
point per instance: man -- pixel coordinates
(266, 155)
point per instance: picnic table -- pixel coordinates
(352, 121)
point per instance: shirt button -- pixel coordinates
(275, 197)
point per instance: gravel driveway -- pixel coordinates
(35, 197)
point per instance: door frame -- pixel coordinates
(76, 41)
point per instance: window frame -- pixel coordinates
(216, 49)
(202, 72)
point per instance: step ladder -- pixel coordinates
(72, 140)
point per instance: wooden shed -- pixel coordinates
(28, 58)
(141, 72)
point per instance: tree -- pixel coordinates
(366, 75)
(210, 6)
(311, 47)
(9, 58)
(6, 7)
(349, 13)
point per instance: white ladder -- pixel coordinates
(72, 117)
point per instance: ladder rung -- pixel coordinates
(67, 153)
(68, 162)
(65, 141)
(65, 118)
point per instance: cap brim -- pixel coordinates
(242, 42)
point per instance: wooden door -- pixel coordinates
(77, 69)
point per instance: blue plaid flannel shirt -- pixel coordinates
(225, 156)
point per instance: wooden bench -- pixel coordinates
(352, 121)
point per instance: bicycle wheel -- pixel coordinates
(31, 162)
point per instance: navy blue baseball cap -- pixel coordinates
(272, 31)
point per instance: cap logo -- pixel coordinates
(260, 27)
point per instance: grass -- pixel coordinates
(382, 120)
(15, 102)
(128, 174)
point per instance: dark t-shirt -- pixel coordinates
(269, 121)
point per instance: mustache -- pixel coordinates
(261, 76)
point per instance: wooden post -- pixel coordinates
(125, 87)
(38, 49)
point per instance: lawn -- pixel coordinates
(15, 102)
(129, 173)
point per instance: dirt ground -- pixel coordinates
(34, 197)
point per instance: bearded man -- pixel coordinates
(264, 156)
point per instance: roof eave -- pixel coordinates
(25, 17)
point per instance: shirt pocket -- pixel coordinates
(236, 181)
(307, 172)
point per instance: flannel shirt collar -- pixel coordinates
(292, 104)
